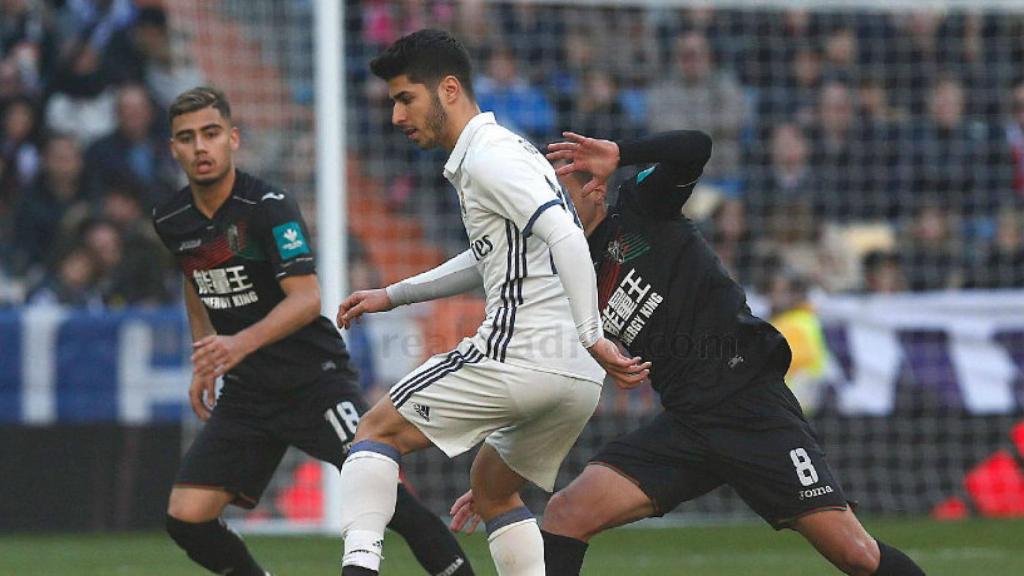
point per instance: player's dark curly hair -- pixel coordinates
(426, 57)
(198, 98)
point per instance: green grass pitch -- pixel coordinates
(982, 547)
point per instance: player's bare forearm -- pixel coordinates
(300, 306)
(198, 320)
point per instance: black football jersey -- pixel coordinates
(236, 261)
(663, 292)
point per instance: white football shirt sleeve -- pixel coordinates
(512, 184)
(571, 255)
(457, 275)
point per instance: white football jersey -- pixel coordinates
(504, 184)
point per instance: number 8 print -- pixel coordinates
(804, 468)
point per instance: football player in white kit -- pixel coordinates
(529, 379)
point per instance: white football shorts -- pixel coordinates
(531, 417)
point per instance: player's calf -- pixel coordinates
(214, 546)
(430, 541)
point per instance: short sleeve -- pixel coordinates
(510, 183)
(285, 237)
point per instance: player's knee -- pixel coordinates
(564, 516)
(185, 534)
(382, 423)
(858, 557)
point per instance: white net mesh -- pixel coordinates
(857, 151)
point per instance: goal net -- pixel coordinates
(868, 160)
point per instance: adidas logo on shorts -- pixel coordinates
(423, 410)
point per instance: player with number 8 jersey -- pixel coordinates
(253, 305)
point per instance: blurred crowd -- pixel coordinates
(83, 151)
(853, 152)
(874, 152)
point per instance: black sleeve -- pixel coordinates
(285, 237)
(678, 157)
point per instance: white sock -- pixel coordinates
(369, 491)
(518, 549)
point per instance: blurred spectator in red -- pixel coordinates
(19, 155)
(46, 204)
(696, 95)
(1015, 136)
(523, 108)
(1002, 262)
(133, 152)
(883, 273)
(72, 283)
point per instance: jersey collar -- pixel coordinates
(462, 144)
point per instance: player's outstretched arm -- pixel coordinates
(202, 392)
(456, 276)
(215, 355)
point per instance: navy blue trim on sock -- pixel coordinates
(378, 447)
(510, 517)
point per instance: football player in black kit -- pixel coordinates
(253, 305)
(728, 416)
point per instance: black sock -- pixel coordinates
(357, 571)
(434, 546)
(892, 562)
(214, 547)
(563, 556)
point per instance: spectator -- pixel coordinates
(792, 95)
(82, 102)
(1002, 263)
(788, 177)
(732, 241)
(850, 160)
(26, 45)
(597, 110)
(132, 152)
(73, 282)
(841, 55)
(139, 276)
(1015, 137)
(19, 156)
(931, 252)
(883, 273)
(950, 153)
(794, 316)
(698, 96)
(43, 208)
(873, 103)
(516, 104)
(144, 57)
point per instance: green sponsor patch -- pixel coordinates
(290, 240)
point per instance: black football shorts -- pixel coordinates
(758, 442)
(242, 443)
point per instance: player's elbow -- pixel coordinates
(311, 303)
(702, 146)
